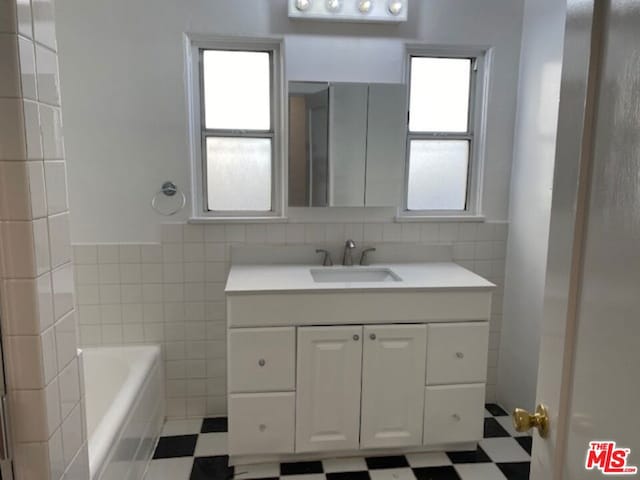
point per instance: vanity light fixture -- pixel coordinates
(303, 5)
(334, 5)
(395, 7)
(365, 6)
(357, 11)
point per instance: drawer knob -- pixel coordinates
(356, 338)
(262, 427)
(262, 362)
(372, 336)
(456, 417)
(460, 355)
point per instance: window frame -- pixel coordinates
(199, 133)
(475, 133)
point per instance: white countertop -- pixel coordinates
(297, 278)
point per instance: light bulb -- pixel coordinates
(395, 7)
(303, 5)
(334, 5)
(365, 6)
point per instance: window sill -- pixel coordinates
(440, 218)
(200, 220)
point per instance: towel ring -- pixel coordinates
(168, 189)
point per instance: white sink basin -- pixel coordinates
(354, 275)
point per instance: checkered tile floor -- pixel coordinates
(197, 450)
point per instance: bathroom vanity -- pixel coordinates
(355, 360)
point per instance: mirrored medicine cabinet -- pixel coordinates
(346, 144)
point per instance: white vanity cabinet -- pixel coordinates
(303, 390)
(355, 373)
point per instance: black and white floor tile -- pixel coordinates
(197, 450)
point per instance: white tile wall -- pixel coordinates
(14, 179)
(56, 178)
(32, 129)
(36, 276)
(22, 10)
(43, 23)
(12, 137)
(173, 293)
(27, 68)
(47, 75)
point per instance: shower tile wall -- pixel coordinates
(173, 292)
(38, 318)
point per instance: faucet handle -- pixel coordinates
(363, 255)
(326, 260)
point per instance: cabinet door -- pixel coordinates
(328, 388)
(393, 385)
(347, 144)
(386, 144)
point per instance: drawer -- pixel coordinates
(453, 414)
(262, 359)
(457, 353)
(261, 423)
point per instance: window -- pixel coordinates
(236, 117)
(440, 141)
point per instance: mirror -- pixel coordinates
(346, 144)
(308, 144)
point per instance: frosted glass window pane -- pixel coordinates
(237, 90)
(438, 174)
(439, 94)
(239, 173)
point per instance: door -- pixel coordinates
(393, 379)
(589, 356)
(328, 388)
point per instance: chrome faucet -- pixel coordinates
(347, 258)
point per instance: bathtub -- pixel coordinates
(124, 392)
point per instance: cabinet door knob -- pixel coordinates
(456, 417)
(262, 362)
(262, 427)
(372, 336)
(460, 355)
(356, 337)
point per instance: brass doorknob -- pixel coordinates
(523, 421)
